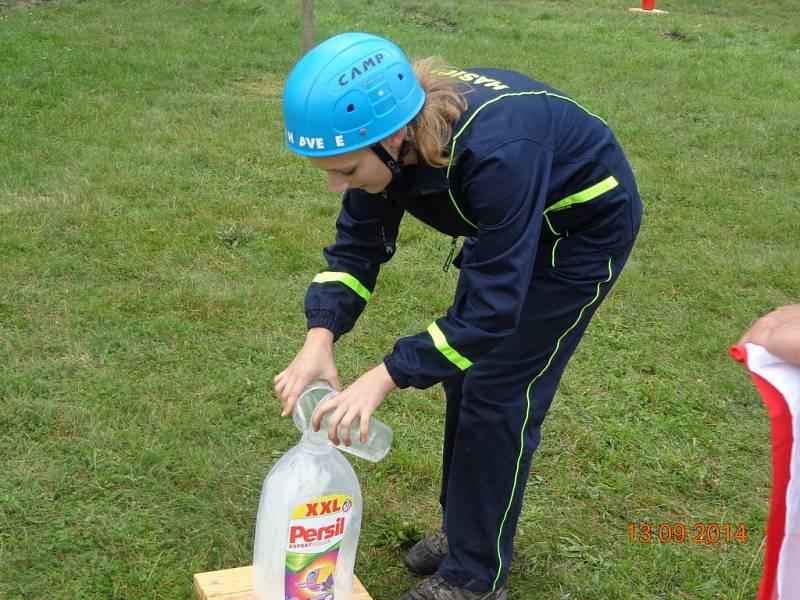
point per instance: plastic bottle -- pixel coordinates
(379, 437)
(307, 528)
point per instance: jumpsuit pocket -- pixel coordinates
(604, 227)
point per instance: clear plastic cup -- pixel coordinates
(379, 438)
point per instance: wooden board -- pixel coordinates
(236, 584)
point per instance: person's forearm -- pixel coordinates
(387, 384)
(319, 335)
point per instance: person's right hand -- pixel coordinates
(314, 361)
(778, 332)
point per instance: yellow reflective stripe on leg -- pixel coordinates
(588, 194)
(449, 352)
(345, 278)
(528, 414)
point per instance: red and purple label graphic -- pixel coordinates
(315, 535)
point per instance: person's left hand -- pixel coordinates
(358, 400)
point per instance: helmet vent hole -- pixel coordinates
(350, 108)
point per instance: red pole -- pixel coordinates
(648, 4)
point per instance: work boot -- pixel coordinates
(424, 557)
(436, 588)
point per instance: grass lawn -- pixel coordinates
(156, 240)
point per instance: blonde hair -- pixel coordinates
(429, 133)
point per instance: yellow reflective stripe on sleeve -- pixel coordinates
(588, 194)
(345, 278)
(449, 352)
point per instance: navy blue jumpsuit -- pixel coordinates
(546, 201)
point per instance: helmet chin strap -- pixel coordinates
(395, 166)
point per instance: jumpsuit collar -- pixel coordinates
(422, 179)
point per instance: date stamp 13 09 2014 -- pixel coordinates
(680, 533)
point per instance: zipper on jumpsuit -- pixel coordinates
(388, 246)
(448, 261)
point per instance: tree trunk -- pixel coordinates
(308, 24)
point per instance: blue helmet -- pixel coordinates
(350, 92)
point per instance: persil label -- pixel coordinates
(316, 529)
